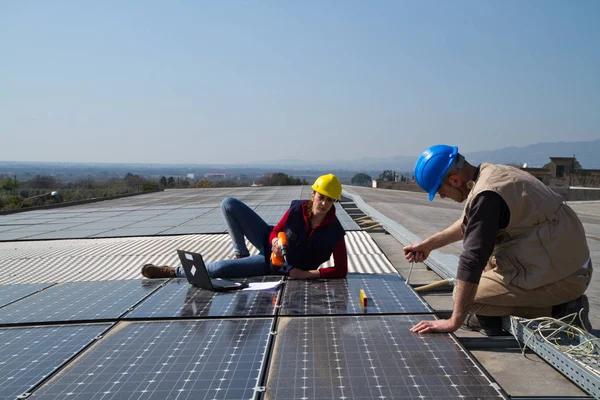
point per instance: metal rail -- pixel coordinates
(443, 264)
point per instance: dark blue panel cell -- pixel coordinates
(10, 293)
(215, 359)
(79, 301)
(385, 293)
(180, 299)
(370, 357)
(27, 355)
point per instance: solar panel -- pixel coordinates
(66, 234)
(27, 355)
(120, 232)
(218, 359)
(373, 357)
(180, 299)
(385, 293)
(10, 293)
(79, 301)
(172, 214)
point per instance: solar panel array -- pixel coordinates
(167, 339)
(176, 212)
(100, 335)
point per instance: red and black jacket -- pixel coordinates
(308, 249)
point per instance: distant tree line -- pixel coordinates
(361, 180)
(173, 183)
(281, 179)
(48, 189)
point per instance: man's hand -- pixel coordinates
(440, 325)
(296, 273)
(416, 252)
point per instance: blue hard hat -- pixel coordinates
(432, 166)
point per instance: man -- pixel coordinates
(525, 251)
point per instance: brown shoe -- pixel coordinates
(152, 271)
(238, 256)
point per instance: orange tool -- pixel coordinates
(277, 260)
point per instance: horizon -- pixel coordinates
(232, 83)
(287, 163)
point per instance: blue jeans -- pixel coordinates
(241, 222)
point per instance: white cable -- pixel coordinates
(548, 328)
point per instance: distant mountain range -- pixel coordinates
(535, 155)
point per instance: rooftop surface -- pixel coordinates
(82, 293)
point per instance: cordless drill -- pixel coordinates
(280, 261)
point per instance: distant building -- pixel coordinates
(215, 175)
(562, 172)
(542, 174)
(191, 176)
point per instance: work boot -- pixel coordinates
(573, 307)
(488, 326)
(152, 271)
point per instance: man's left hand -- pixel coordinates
(440, 325)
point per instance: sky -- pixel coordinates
(233, 82)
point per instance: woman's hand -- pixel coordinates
(275, 247)
(296, 273)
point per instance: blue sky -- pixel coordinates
(245, 81)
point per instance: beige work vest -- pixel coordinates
(544, 241)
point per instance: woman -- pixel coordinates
(313, 232)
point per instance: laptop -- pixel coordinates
(197, 275)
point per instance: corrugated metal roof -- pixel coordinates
(122, 258)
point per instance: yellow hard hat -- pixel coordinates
(328, 185)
